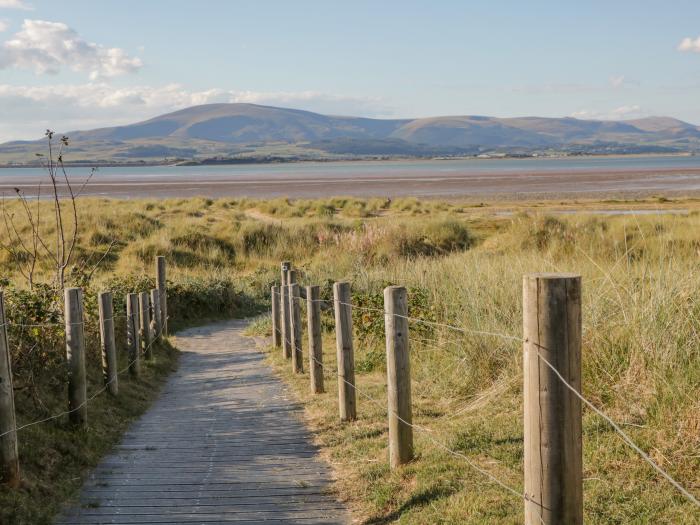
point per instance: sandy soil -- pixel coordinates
(529, 185)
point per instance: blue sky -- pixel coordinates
(79, 64)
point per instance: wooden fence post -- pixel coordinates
(313, 319)
(276, 328)
(284, 305)
(346, 358)
(162, 288)
(75, 353)
(295, 316)
(398, 370)
(132, 334)
(552, 419)
(156, 316)
(145, 324)
(109, 348)
(9, 457)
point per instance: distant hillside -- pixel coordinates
(248, 130)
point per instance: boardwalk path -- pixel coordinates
(223, 444)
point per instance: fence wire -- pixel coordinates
(100, 391)
(625, 437)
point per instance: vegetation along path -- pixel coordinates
(223, 444)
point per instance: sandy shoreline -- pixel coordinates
(473, 184)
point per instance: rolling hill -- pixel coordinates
(248, 130)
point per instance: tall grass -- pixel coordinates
(641, 346)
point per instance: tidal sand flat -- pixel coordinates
(464, 178)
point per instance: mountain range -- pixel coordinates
(240, 131)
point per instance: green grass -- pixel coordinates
(55, 456)
(463, 265)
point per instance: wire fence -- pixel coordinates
(154, 340)
(539, 349)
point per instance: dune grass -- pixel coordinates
(463, 264)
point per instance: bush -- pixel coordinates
(368, 323)
(190, 299)
(430, 239)
(205, 246)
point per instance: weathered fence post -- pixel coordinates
(145, 324)
(294, 321)
(552, 419)
(132, 334)
(284, 305)
(313, 319)
(162, 288)
(346, 358)
(156, 316)
(295, 317)
(398, 370)
(276, 328)
(9, 457)
(75, 353)
(109, 348)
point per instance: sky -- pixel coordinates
(80, 64)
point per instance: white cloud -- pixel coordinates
(617, 81)
(15, 4)
(27, 110)
(620, 113)
(689, 44)
(3, 25)
(47, 47)
(103, 95)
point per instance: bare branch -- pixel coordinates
(85, 183)
(104, 256)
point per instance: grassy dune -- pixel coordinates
(463, 265)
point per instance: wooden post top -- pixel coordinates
(545, 276)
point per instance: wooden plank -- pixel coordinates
(224, 444)
(317, 518)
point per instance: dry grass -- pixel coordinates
(464, 264)
(641, 365)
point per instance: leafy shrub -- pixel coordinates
(189, 299)
(368, 323)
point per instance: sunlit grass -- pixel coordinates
(464, 263)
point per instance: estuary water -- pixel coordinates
(590, 176)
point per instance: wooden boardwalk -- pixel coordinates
(223, 444)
